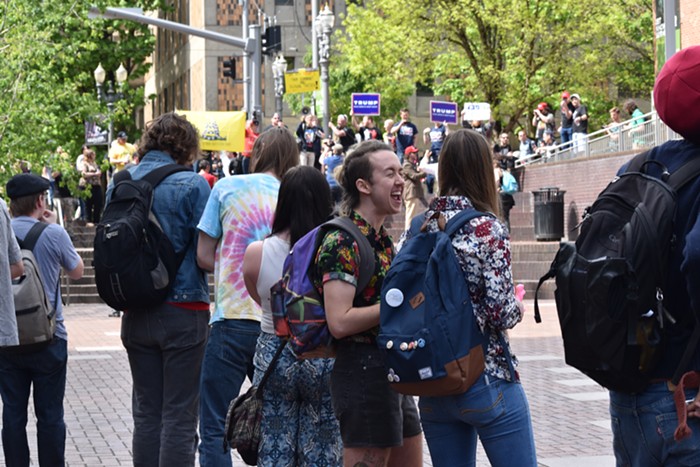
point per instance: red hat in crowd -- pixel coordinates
(542, 106)
(565, 95)
(410, 150)
(677, 93)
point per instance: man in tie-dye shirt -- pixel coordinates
(239, 212)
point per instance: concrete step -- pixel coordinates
(546, 291)
(529, 270)
(533, 251)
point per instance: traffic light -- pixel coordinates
(230, 68)
(272, 40)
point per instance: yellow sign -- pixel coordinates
(296, 82)
(218, 131)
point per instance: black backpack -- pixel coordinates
(135, 263)
(610, 283)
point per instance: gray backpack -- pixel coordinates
(36, 316)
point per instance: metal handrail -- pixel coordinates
(626, 136)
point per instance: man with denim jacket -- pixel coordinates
(165, 344)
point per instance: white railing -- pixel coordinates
(626, 136)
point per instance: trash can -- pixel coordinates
(549, 213)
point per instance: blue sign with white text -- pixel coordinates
(443, 112)
(366, 104)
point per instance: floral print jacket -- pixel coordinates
(483, 252)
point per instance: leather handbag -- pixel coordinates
(244, 415)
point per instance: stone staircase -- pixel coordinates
(530, 259)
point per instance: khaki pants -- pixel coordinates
(306, 158)
(413, 207)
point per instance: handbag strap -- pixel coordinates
(270, 367)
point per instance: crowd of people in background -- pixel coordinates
(325, 150)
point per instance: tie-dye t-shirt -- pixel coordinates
(239, 211)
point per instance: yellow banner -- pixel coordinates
(218, 131)
(296, 82)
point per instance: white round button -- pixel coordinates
(394, 297)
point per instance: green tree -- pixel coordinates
(511, 54)
(50, 49)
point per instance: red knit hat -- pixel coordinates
(677, 93)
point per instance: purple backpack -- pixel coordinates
(297, 306)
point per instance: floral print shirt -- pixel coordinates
(338, 259)
(483, 252)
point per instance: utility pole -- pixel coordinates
(246, 59)
(250, 45)
(670, 28)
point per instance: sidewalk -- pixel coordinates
(569, 411)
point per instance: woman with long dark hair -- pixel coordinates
(298, 426)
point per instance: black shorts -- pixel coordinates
(371, 414)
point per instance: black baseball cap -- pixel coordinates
(26, 184)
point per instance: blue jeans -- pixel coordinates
(495, 410)
(165, 346)
(298, 426)
(643, 426)
(227, 361)
(46, 371)
(566, 136)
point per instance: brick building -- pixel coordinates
(187, 72)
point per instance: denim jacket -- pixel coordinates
(178, 204)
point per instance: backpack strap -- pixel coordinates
(684, 174)
(635, 165)
(29, 243)
(460, 219)
(32, 236)
(270, 368)
(416, 224)
(367, 261)
(155, 176)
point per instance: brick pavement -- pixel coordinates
(569, 412)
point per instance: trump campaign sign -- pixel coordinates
(366, 104)
(443, 112)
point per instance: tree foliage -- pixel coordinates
(49, 51)
(509, 53)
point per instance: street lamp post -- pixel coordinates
(324, 26)
(110, 97)
(279, 66)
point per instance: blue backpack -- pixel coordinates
(428, 334)
(509, 184)
(297, 307)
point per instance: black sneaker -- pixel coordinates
(115, 314)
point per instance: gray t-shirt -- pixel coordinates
(53, 251)
(9, 254)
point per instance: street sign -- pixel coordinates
(443, 112)
(300, 81)
(366, 104)
(96, 132)
(476, 111)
